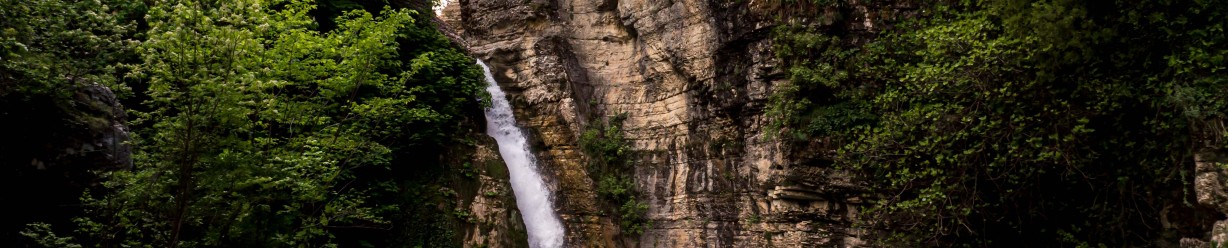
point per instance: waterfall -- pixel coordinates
(532, 197)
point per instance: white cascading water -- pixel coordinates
(532, 197)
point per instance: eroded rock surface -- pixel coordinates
(693, 77)
(1210, 181)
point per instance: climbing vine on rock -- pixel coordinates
(611, 167)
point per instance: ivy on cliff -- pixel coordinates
(611, 167)
(1049, 123)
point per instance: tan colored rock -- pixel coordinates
(1210, 191)
(1219, 233)
(1209, 182)
(693, 78)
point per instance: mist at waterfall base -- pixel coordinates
(532, 197)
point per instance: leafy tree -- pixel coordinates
(264, 131)
(1042, 122)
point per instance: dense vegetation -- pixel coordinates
(299, 123)
(1019, 123)
(258, 123)
(51, 52)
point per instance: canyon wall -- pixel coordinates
(1211, 190)
(692, 77)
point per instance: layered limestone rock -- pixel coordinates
(1211, 190)
(692, 77)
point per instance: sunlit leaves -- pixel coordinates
(260, 122)
(50, 47)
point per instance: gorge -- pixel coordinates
(614, 123)
(697, 82)
(532, 197)
(693, 78)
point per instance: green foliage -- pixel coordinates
(632, 219)
(468, 170)
(607, 146)
(463, 214)
(815, 101)
(985, 122)
(261, 129)
(54, 56)
(615, 186)
(611, 168)
(256, 120)
(48, 48)
(42, 235)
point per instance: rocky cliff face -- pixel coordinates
(1211, 190)
(693, 77)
